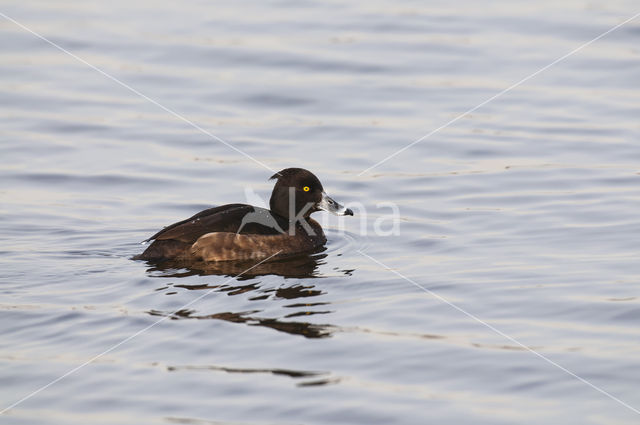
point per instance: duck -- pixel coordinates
(241, 232)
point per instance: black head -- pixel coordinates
(298, 191)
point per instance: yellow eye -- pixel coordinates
(306, 188)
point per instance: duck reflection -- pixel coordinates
(310, 378)
(302, 266)
(245, 284)
(306, 329)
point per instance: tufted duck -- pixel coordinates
(245, 232)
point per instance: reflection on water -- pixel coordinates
(252, 317)
(303, 266)
(295, 374)
(298, 267)
(284, 372)
(306, 329)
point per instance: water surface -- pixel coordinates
(524, 213)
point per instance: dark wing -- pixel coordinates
(174, 241)
(226, 218)
(234, 218)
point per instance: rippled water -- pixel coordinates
(522, 215)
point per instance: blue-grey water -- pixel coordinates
(520, 221)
